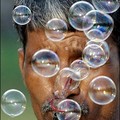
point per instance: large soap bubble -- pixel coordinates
(107, 6)
(46, 63)
(72, 110)
(56, 29)
(102, 26)
(77, 15)
(81, 67)
(102, 90)
(13, 103)
(94, 55)
(21, 15)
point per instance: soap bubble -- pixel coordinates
(21, 15)
(77, 15)
(72, 110)
(56, 29)
(67, 80)
(82, 67)
(107, 6)
(94, 55)
(102, 26)
(46, 63)
(13, 103)
(102, 90)
(104, 45)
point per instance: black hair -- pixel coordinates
(44, 10)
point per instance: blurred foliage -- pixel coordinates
(10, 74)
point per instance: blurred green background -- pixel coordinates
(10, 74)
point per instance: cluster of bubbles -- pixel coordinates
(69, 78)
(101, 26)
(13, 103)
(95, 21)
(83, 16)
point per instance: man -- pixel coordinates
(41, 88)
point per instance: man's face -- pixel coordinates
(68, 50)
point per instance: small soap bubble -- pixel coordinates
(13, 103)
(94, 55)
(21, 15)
(72, 110)
(67, 80)
(56, 29)
(102, 90)
(102, 26)
(77, 15)
(82, 67)
(107, 6)
(45, 63)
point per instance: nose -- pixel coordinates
(65, 87)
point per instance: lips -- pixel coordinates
(84, 107)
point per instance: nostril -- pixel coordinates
(72, 93)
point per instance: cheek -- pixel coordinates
(98, 111)
(40, 88)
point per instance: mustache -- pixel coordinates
(46, 107)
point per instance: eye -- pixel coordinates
(46, 63)
(76, 54)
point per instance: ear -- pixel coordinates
(21, 60)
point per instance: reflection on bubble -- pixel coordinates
(66, 80)
(81, 67)
(56, 29)
(46, 63)
(102, 26)
(72, 110)
(94, 55)
(107, 6)
(102, 90)
(77, 15)
(13, 103)
(21, 15)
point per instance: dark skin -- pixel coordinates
(70, 49)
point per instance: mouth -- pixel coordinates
(49, 106)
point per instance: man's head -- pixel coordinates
(33, 39)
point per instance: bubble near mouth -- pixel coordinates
(64, 108)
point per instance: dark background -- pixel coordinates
(10, 74)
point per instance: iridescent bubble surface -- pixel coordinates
(45, 63)
(107, 6)
(66, 80)
(81, 67)
(56, 29)
(77, 15)
(102, 90)
(21, 15)
(13, 103)
(102, 26)
(72, 110)
(94, 55)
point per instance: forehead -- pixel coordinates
(37, 40)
